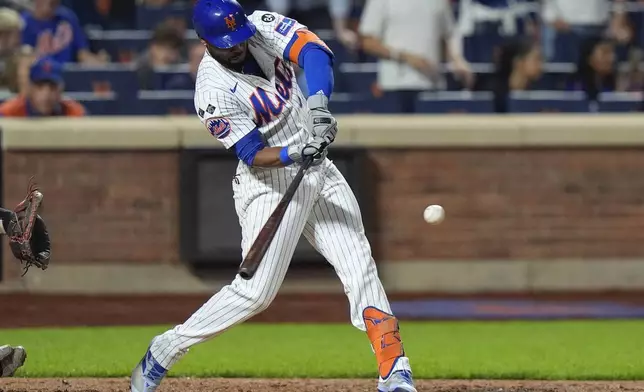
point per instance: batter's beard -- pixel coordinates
(235, 66)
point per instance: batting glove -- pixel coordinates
(315, 148)
(321, 123)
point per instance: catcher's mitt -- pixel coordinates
(29, 246)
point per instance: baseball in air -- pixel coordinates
(434, 214)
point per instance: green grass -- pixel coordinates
(515, 350)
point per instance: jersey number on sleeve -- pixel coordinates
(266, 109)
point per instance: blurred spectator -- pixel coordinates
(149, 13)
(566, 23)
(320, 14)
(54, 30)
(519, 64)
(16, 72)
(44, 94)
(632, 79)
(104, 14)
(408, 37)
(595, 68)
(620, 28)
(486, 24)
(10, 28)
(16, 4)
(187, 81)
(164, 49)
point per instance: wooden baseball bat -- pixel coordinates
(254, 257)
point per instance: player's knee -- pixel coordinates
(260, 302)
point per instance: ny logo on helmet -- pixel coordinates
(230, 22)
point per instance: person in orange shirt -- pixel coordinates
(44, 95)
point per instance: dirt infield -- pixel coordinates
(304, 385)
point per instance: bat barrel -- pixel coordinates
(257, 251)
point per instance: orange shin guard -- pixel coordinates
(384, 334)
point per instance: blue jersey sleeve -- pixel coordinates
(248, 146)
(308, 51)
(318, 68)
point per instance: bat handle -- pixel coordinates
(245, 273)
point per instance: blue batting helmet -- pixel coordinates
(221, 23)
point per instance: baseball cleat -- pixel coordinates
(11, 358)
(147, 375)
(399, 381)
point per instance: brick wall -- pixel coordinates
(501, 204)
(511, 204)
(102, 206)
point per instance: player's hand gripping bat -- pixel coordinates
(257, 251)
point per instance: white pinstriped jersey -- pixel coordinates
(324, 208)
(231, 104)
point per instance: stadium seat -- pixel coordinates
(122, 45)
(454, 102)
(480, 48)
(548, 101)
(356, 77)
(621, 102)
(345, 103)
(164, 78)
(556, 76)
(371, 104)
(126, 45)
(119, 78)
(165, 102)
(147, 18)
(97, 105)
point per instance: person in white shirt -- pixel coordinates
(318, 15)
(408, 36)
(486, 24)
(567, 23)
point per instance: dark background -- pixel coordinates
(210, 230)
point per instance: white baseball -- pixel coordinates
(434, 214)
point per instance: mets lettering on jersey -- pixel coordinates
(218, 127)
(267, 109)
(264, 96)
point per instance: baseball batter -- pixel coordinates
(247, 97)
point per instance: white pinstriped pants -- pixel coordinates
(325, 210)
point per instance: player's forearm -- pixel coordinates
(454, 46)
(252, 150)
(270, 157)
(374, 47)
